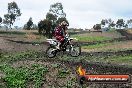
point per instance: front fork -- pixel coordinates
(71, 47)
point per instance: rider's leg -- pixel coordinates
(60, 42)
(58, 45)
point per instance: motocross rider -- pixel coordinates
(60, 33)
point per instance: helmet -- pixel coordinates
(64, 23)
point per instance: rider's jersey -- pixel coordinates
(60, 31)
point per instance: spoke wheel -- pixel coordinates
(75, 50)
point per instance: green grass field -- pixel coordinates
(91, 38)
(96, 46)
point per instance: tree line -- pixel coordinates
(53, 17)
(109, 23)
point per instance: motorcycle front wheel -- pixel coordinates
(75, 50)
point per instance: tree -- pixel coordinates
(129, 23)
(29, 23)
(51, 17)
(45, 28)
(0, 20)
(6, 21)
(35, 27)
(107, 23)
(57, 10)
(112, 24)
(103, 22)
(126, 26)
(56, 14)
(13, 13)
(97, 27)
(25, 26)
(41, 27)
(120, 23)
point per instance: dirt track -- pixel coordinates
(13, 44)
(19, 44)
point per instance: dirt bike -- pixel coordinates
(72, 49)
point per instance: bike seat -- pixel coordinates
(51, 39)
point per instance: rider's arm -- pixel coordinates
(66, 30)
(57, 32)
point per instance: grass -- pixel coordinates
(113, 59)
(102, 45)
(12, 32)
(62, 73)
(98, 45)
(91, 38)
(123, 59)
(19, 32)
(116, 50)
(19, 77)
(22, 76)
(19, 56)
